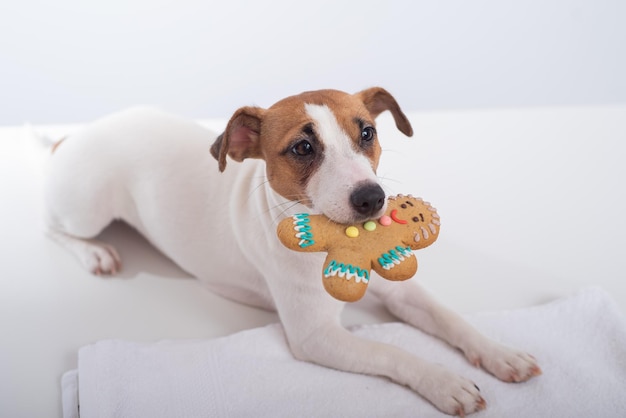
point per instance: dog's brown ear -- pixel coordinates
(377, 100)
(240, 140)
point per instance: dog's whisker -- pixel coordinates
(263, 183)
(383, 178)
(282, 214)
(285, 206)
(389, 189)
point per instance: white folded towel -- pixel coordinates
(579, 341)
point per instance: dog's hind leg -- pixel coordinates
(77, 209)
(97, 257)
(76, 231)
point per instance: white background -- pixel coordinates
(70, 61)
(531, 196)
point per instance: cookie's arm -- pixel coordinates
(398, 263)
(301, 232)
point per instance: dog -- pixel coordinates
(315, 152)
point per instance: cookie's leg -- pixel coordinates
(411, 303)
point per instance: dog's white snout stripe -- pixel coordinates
(342, 169)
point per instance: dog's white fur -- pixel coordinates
(154, 171)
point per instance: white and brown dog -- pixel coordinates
(317, 151)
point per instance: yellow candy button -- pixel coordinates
(369, 226)
(352, 231)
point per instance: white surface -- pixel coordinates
(71, 61)
(580, 342)
(532, 205)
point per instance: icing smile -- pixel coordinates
(394, 216)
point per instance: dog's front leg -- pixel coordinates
(411, 303)
(311, 321)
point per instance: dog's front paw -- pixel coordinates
(505, 363)
(451, 393)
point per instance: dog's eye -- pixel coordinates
(302, 149)
(367, 134)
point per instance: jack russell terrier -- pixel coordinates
(319, 153)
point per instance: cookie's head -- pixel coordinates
(416, 222)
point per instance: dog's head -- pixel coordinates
(320, 148)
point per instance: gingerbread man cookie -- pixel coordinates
(385, 245)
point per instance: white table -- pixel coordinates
(532, 203)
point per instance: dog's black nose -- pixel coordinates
(368, 199)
